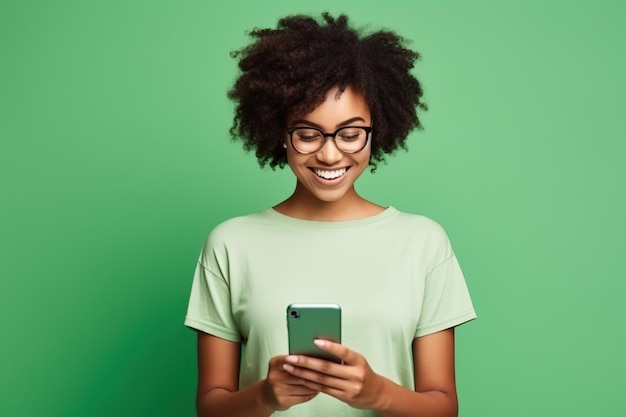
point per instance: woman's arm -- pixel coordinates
(435, 386)
(218, 381)
(355, 383)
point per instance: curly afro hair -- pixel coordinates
(289, 70)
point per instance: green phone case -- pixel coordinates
(306, 322)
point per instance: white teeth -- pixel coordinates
(330, 175)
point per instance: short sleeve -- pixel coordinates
(446, 301)
(209, 308)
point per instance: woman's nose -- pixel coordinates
(329, 153)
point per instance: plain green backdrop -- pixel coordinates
(115, 163)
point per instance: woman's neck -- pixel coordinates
(351, 206)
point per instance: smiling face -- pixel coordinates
(328, 175)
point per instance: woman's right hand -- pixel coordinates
(282, 390)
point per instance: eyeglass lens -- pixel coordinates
(349, 139)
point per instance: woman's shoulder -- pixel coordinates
(420, 222)
(243, 220)
(240, 226)
(425, 233)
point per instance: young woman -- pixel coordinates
(329, 101)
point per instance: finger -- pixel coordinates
(316, 364)
(318, 381)
(336, 387)
(320, 366)
(288, 378)
(301, 391)
(342, 352)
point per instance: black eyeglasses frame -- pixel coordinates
(368, 132)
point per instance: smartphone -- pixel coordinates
(307, 322)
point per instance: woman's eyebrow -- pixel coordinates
(344, 123)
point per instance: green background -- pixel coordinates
(115, 163)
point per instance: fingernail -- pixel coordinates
(292, 359)
(319, 342)
(287, 367)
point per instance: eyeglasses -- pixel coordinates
(348, 139)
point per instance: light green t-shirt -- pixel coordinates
(394, 275)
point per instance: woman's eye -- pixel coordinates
(349, 137)
(308, 136)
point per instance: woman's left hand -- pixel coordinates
(352, 382)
